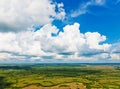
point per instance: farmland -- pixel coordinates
(60, 76)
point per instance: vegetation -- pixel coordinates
(47, 75)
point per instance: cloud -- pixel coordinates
(83, 8)
(40, 45)
(97, 8)
(9, 57)
(16, 15)
(115, 52)
(99, 2)
(69, 45)
(115, 57)
(118, 1)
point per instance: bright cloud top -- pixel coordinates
(70, 45)
(19, 42)
(17, 15)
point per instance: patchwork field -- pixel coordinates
(59, 76)
(61, 86)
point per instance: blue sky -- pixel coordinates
(59, 31)
(100, 18)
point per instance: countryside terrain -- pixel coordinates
(60, 76)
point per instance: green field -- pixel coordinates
(18, 76)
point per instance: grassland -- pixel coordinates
(55, 76)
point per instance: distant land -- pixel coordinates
(60, 76)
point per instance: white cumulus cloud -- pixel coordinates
(17, 15)
(66, 46)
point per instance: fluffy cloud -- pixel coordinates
(115, 52)
(70, 45)
(17, 15)
(115, 57)
(41, 45)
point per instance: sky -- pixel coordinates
(59, 31)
